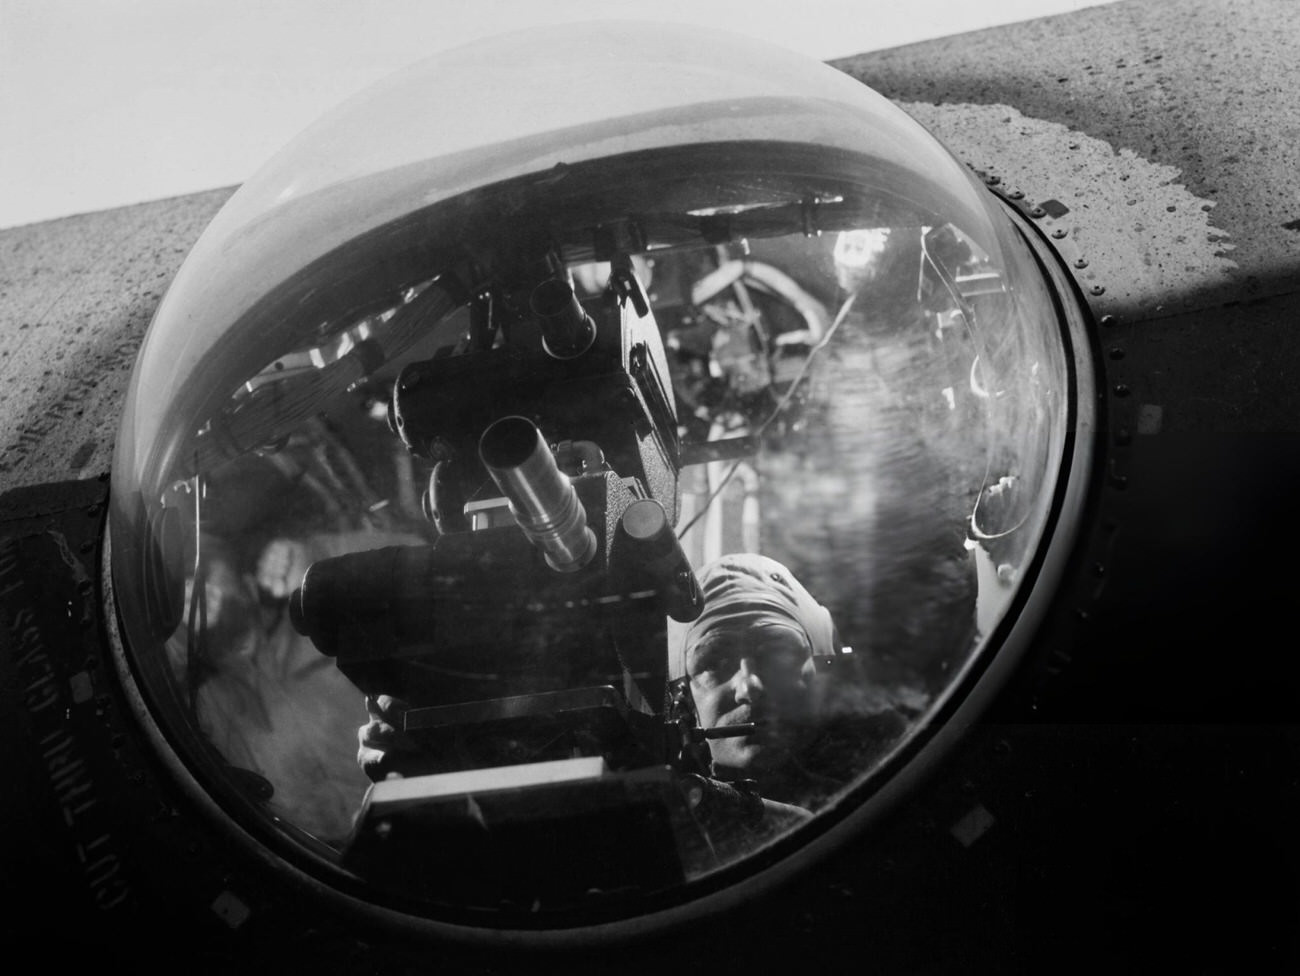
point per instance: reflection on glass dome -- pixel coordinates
(636, 433)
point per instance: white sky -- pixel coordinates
(110, 102)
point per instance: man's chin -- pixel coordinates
(749, 758)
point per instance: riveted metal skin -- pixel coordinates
(1128, 803)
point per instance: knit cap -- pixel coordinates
(747, 590)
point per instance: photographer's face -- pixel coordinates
(752, 673)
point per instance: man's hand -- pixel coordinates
(385, 749)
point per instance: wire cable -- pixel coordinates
(776, 412)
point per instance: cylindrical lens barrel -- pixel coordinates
(542, 500)
(658, 557)
(567, 331)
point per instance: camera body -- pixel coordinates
(535, 626)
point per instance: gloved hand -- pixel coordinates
(386, 751)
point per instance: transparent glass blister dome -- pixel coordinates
(637, 434)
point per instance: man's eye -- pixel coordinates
(715, 665)
(790, 659)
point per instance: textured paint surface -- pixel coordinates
(1140, 230)
(1191, 85)
(76, 296)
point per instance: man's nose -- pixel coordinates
(749, 683)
